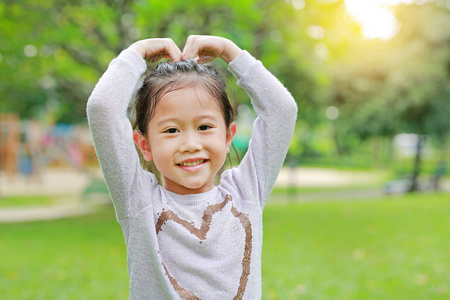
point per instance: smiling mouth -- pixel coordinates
(192, 164)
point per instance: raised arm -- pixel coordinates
(272, 130)
(107, 115)
(276, 109)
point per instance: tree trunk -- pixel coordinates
(390, 151)
(414, 178)
(337, 144)
(441, 168)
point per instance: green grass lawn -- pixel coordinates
(14, 201)
(78, 258)
(394, 248)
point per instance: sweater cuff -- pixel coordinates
(134, 59)
(241, 64)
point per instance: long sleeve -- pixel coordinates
(272, 130)
(111, 130)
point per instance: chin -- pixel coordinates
(189, 186)
(195, 186)
(198, 186)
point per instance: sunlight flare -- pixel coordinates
(375, 17)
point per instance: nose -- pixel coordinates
(190, 142)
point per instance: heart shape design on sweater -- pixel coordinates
(201, 234)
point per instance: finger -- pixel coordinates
(164, 48)
(190, 49)
(173, 51)
(185, 54)
(167, 49)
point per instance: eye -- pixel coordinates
(204, 127)
(171, 130)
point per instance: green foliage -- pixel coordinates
(71, 43)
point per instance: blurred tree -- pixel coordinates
(399, 85)
(421, 80)
(53, 52)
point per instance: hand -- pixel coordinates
(156, 49)
(205, 48)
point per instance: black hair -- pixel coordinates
(169, 77)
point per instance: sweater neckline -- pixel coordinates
(192, 199)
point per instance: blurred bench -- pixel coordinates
(396, 186)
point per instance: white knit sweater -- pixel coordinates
(199, 246)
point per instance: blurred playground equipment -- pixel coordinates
(29, 146)
(9, 143)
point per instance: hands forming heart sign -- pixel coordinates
(201, 48)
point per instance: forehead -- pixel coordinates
(191, 100)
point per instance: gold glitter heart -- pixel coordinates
(201, 234)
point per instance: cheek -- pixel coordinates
(162, 160)
(221, 149)
(162, 151)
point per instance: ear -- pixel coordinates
(143, 145)
(230, 135)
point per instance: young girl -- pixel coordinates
(189, 239)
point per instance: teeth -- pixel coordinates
(190, 164)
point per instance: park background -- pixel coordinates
(360, 210)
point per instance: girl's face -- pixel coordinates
(187, 139)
